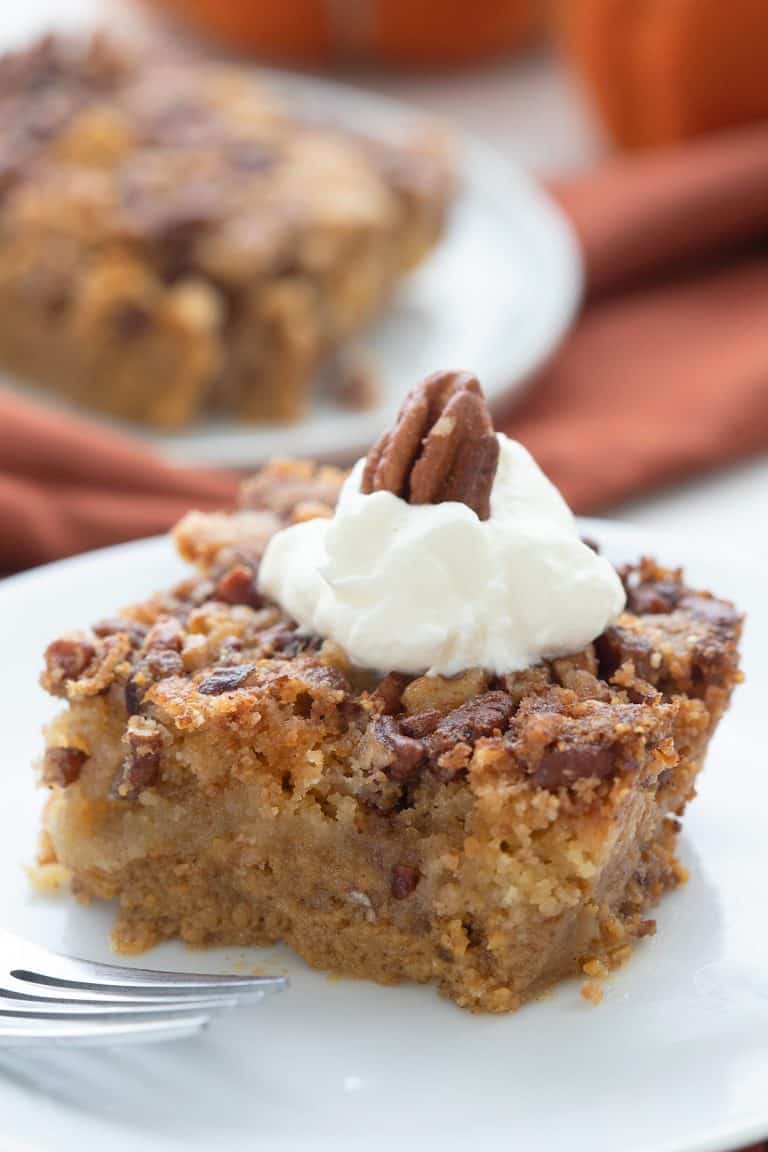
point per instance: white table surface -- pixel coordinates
(531, 110)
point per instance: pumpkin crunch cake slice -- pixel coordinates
(233, 775)
(174, 243)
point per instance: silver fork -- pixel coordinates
(46, 998)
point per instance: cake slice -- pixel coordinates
(233, 779)
(184, 244)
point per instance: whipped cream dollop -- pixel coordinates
(431, 588)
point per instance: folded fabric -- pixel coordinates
(664, 375)
(666, 372)
(68, 485)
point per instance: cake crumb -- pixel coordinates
(48, 878)
(592, 991)
(597, 969)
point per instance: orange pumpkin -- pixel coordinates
(391, 32)
(663, 70)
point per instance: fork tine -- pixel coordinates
(147, 984)
(23, 1009)
(26, 1034)
(22, 994)
(49, 999)
(43, 969)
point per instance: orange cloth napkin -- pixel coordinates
(664, 375)
(67, 485)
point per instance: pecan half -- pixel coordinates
(442, 447)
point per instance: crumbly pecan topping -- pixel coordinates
(442, 741)
(112, 652)
(581, 717)
(115, 625)
(442, 447)
(285, 487)
(156, 664)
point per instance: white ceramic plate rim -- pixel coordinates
(708, 952)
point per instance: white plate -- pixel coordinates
(496, 296)
(674, 1060)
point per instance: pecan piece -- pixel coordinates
(653, 597)
(66, 660)
(225, 679)
(719, 613)
(404, 880)
(165, 634)
(284, 640)
(405, 754)
(560, 767)
(444, 692)
(62, 765)
(238, 586)
(617, 645)
(421, 724)
(141, 767)
(483, 716)
(442, 447)
(388, 693)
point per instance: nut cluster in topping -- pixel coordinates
(442, 447)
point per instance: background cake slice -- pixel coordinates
(174, 243)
